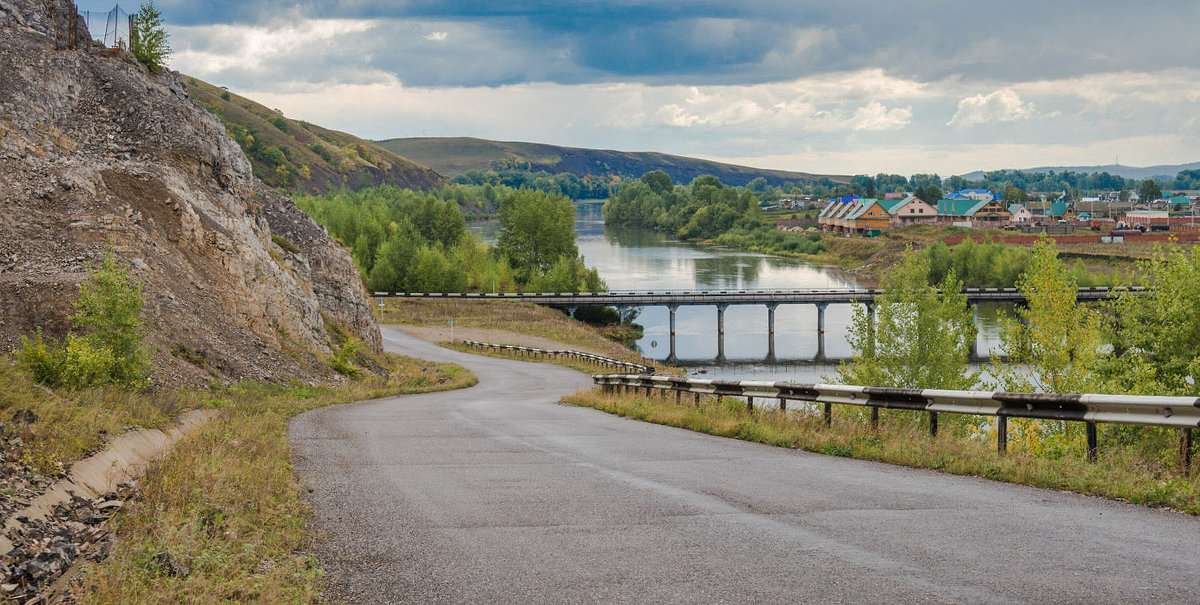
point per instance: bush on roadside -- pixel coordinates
(110, 351)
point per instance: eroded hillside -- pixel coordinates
(95, 152)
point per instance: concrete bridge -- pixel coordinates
(723, 299)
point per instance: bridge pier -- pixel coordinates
(771, 331)
(821, 331)
(721, 330)
(671, 309)
(974, 353)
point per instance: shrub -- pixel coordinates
(110, 351)
(280, 122)
(341, 361)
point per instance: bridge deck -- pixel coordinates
(732, 297)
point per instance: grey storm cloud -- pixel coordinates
(710, 43)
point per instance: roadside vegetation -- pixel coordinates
(902, 439)
(224, 504)
(221, 517)
(1137, 344)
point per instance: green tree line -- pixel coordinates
(705, 209)
(408, 241)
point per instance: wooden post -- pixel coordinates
(874, 418)
(1001, 434)
(697, 399)
(782, 404)
(829, 414)
(750, 404)
(678, 395)
(1092, 446)
(933, 422)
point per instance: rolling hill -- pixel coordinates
(453, 156)
(299, 156)
(1167, 171)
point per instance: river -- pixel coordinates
(639, 259)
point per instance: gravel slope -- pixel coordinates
(497, 494)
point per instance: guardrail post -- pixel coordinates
(1185, 449)
(933, 422)
(1001, 434)
(782, 404)
(750, 404)
(678, 396)
(1091, 442)
(829, 414)
(874, 418)
(697, 399)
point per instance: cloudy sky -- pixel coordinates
(847, 86)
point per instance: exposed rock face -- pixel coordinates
(94, 151)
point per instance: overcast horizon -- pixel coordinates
(848, 87)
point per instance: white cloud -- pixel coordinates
(1003, 105)
(438, 36)
(876, 116)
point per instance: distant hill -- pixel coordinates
(453, 156)
(299, 156)
(1167, 171)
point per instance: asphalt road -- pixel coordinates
(497, 494)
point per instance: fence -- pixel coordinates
(572, 355)
(1181, 413)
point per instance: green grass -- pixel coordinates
(226, 505)
(1119, 473)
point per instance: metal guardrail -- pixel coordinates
(1181, 413)
(575, 355)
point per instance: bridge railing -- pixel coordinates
(1181, 413)
(637, 368)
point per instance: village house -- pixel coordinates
(973, 213)
(909, 210)
(1062, 211)
(1020, 214)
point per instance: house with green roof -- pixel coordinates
(979, 213)
(909, 210)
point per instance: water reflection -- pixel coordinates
(640, 259)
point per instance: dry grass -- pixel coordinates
(511, 316)
(224, 503)
(72, 424)
(1119, 473)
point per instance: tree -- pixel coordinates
(1149, 191)
(1014, 195)
(1052, 335)
(1052, 346)
(930, 194)
(1156, 333)
(536, 229)
(920, 338)
(658, 181)
(149, 39)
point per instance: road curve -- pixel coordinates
(497, 494)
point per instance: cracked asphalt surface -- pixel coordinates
(498, 494)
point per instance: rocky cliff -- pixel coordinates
(94, 152)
